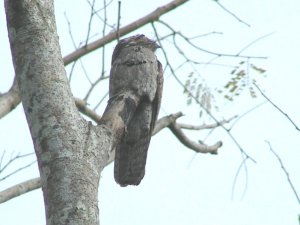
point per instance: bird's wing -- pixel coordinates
(158, 95)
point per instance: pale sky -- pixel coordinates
(180, 186)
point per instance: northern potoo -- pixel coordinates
(135, 69)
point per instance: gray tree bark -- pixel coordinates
(71, 152)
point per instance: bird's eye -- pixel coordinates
(131, 43)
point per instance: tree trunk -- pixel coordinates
(71, 152)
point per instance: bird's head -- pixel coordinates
(137, 40)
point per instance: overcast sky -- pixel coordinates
(180, 186)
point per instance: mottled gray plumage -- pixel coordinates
(136, 69)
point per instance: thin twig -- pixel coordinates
(93, 85)
(280, 110)
(74, 45)
(246, 113)
(101, 100)
(231, 13)
(96, 12)
(119, 19)
(70, 30)
(1, 160)
(12, 159)
(90, 22)
(208, 51)
(284, 170)
(103, 34)
(242, 165)
(254, 41)
(18, 170)
(205, 126)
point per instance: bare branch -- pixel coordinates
(242, 165)
(81, 105)
(197, 147)
(188, 40)
(285, 171)
(70, 30)
(90, 22)
(10, 99)
(170, 121)
(205, 126)
(119, 19)
(123, 31)
(280, 110)
(231, 13)
(20, 189)
(100, 101)
(93, 85)
(246, 113)
(12, 159)
(18, 170)
(255, 41)
(165, 122)
(102, 77)
(104, 8)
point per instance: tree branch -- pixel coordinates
(10, 161)
(81, 105)
(285, 171)
(231, 13)
(197, 147)
(153, 16)
(20, 189)
(10, 99)
(205, 126)
(167, 121)
(280, 110)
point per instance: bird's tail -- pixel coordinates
(131, 152)
(130, 162)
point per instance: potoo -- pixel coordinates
(135, 69)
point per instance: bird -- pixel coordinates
(135, 69)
